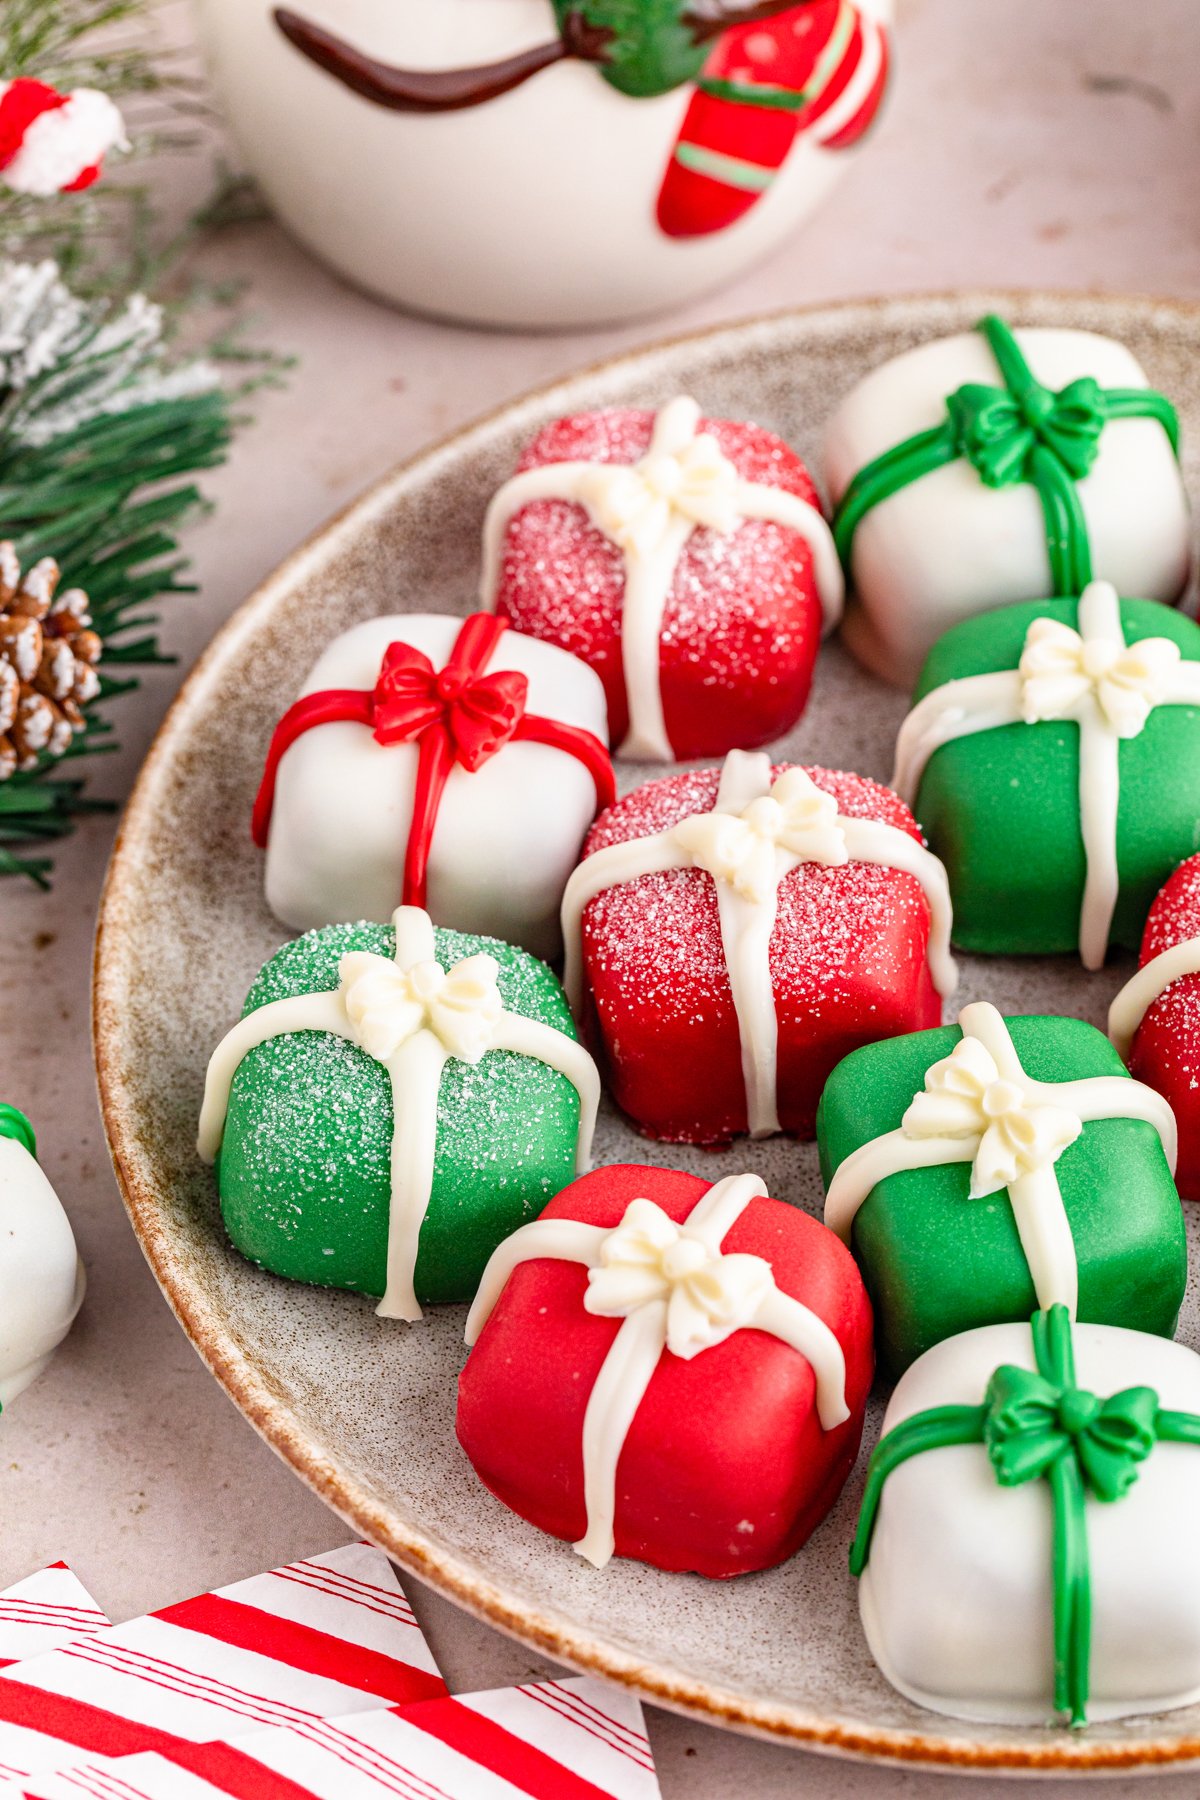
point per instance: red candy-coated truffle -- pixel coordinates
(1166, 1048)
(725, 1467)
(743, 619)
(848, 963)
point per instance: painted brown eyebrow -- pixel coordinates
(436, 90)
(448, 90)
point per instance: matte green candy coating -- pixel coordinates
(304, 1170)
(1001, 808)
(936, 1263)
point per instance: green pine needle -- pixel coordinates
(100, 448)
(83, 499)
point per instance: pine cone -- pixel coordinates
(48, 657)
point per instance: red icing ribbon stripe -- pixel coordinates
(457, 714)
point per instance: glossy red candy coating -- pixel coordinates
(725, 1468)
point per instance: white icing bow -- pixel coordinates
(1059, 668)
(387, 1005)
(637, 504)
(796, 817)
(410, 1015)
(648, 1257)
(673, 1289)
(966, 1097)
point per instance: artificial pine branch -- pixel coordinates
(102, 429)
(99, 238)
(99, 438)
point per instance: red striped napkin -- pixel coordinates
(551, 1740)
(322, 1638)
(44, 1612)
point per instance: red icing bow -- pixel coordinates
(457, 714)
(479, 713)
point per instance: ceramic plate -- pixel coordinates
(364, 1410)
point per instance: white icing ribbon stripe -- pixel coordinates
(1140, 992)
(1091, 676)
(412, 1016)
(650, 509)
(979, 1106)
(674, 1290)
(757, 833)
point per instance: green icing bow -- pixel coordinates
(14, 1124)
(1032, 1422)
(1002, 436)
(1021, 432)
(1041, 1426)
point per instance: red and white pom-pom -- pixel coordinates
(52, 143)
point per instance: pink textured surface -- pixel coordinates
(1048, 146)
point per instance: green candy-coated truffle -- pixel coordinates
(1001, 807)
(937, 1263)
(304, 1169)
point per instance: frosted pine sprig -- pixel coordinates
(100, 438)
(102, 432)
(64, 362)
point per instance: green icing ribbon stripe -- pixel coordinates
(14, 1124)
(1021, 432)
(1041, 1426)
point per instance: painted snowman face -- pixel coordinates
(546, 162)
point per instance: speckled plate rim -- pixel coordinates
(254, 1395)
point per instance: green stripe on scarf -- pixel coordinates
(750, 177)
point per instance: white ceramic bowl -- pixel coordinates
(535, 209)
